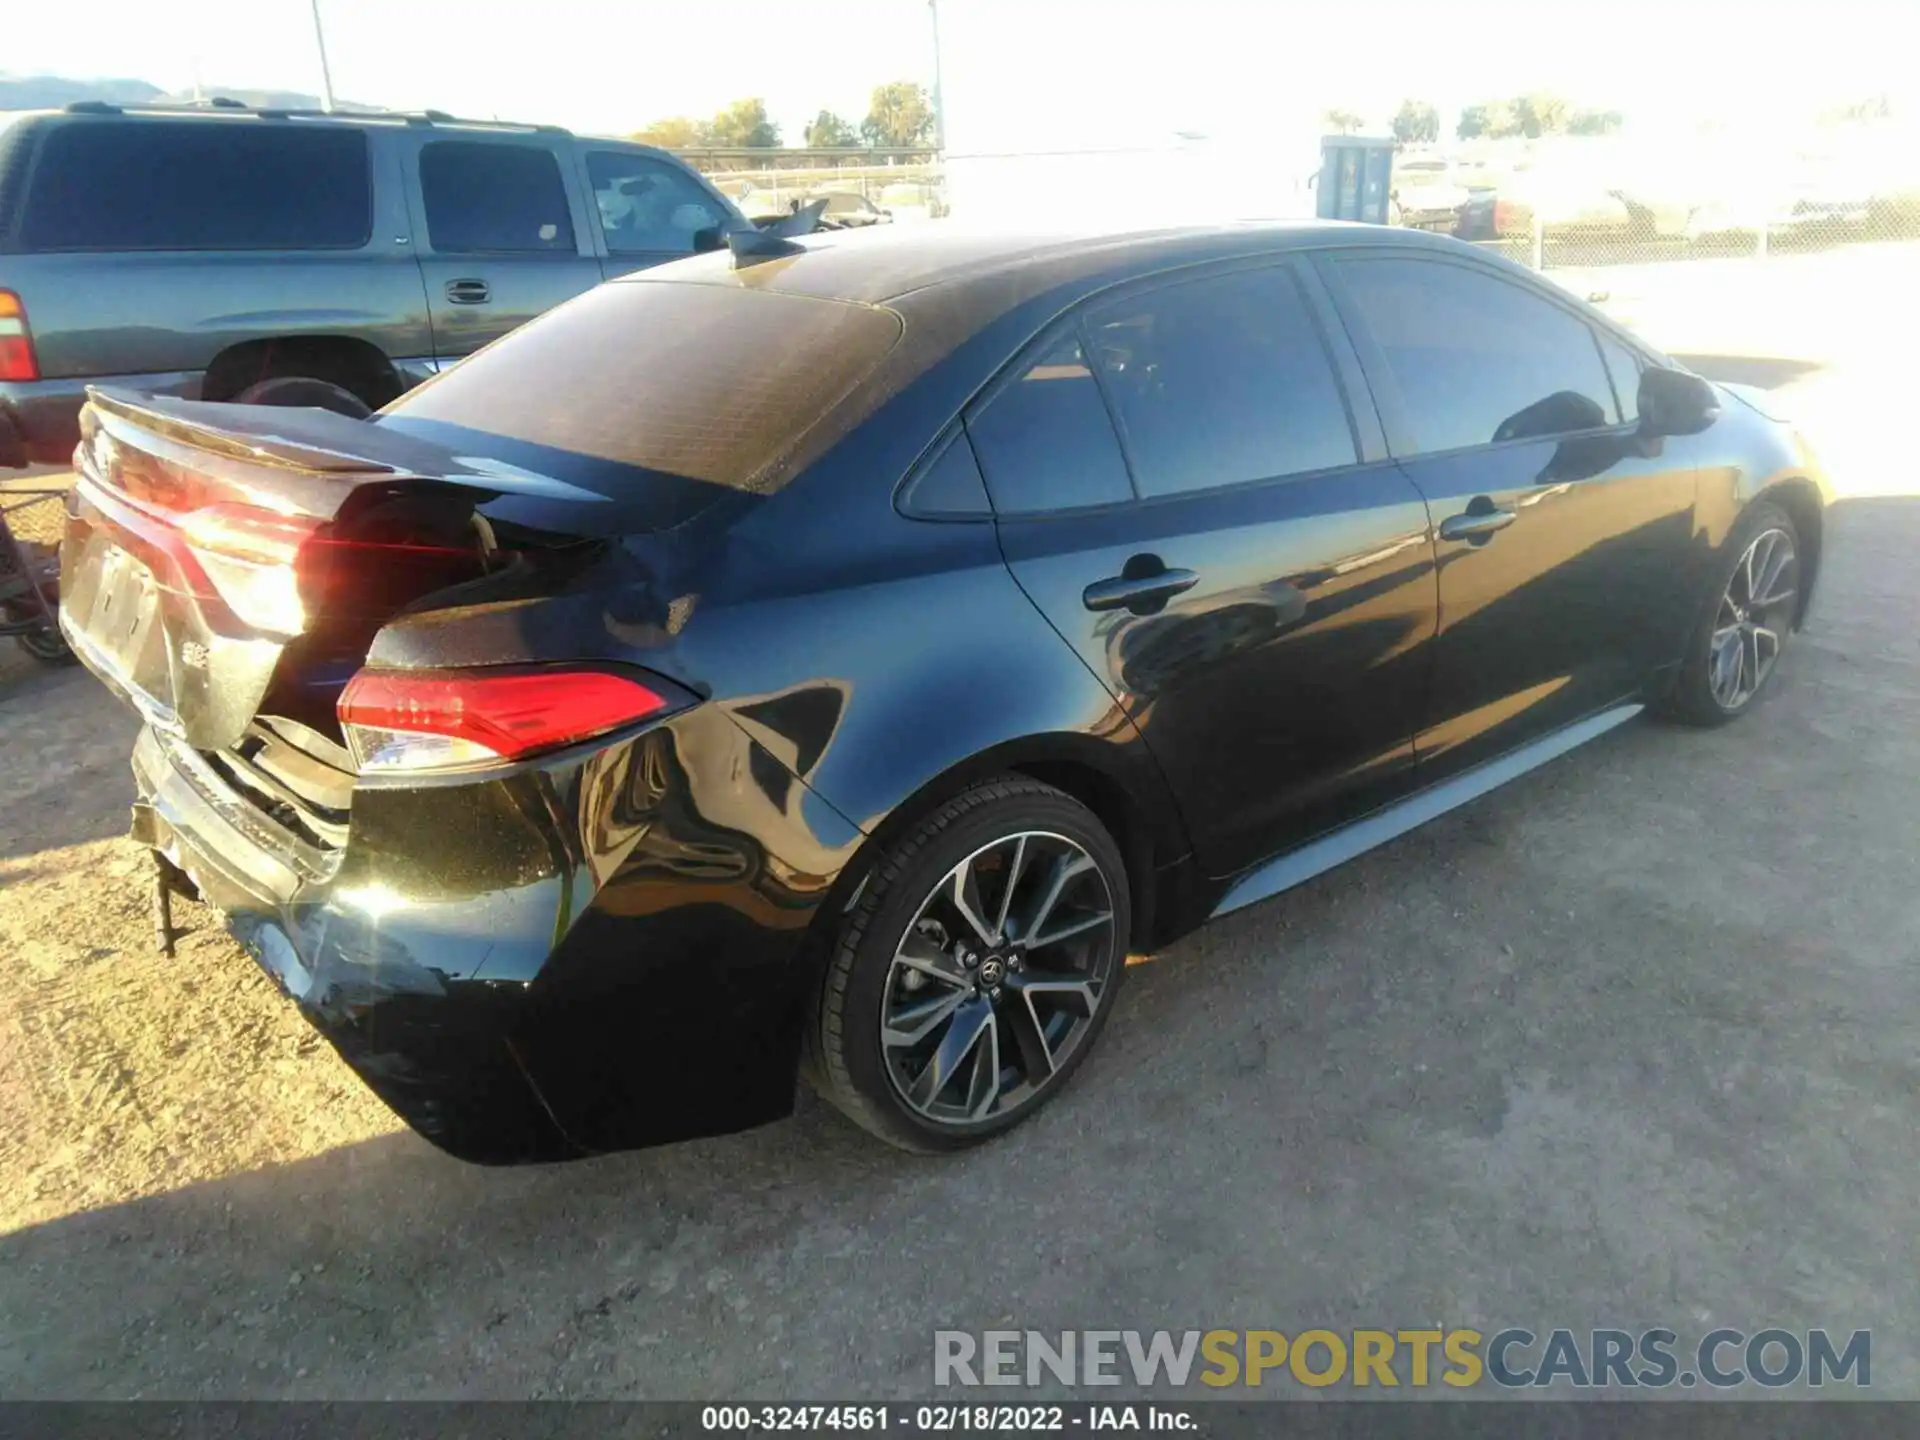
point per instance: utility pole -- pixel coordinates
(320, 43)
(939, 99)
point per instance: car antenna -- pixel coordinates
(750, 247)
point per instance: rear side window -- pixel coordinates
(493, 199)
(1477, 360)
(1219, 381)
(1046, 443)
(199, 185)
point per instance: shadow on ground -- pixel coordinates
(65, 745)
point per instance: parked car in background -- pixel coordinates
(1573, 203)
(760, 204)
(277, 257)
(905, 197)
(839, 666)
(1425, 193)
(847, 210)
(1807, 200)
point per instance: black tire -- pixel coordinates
(1691, 699)
(847, 1062)
(305, 391)
(49, 647)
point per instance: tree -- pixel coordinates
(1594, 122)
(1416, 123)
(899, 114)
(1494, 120)
(1342, 122)
(744, 125)
(675, 133)
(1539, 115)
(828, 131)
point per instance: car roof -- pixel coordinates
(220, 108)
(890, 263)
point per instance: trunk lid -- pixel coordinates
(205, 543)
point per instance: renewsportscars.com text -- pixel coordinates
(1415, 1359)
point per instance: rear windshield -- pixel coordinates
(199, 185)
(669, 394)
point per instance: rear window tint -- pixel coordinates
(688, 390)
(199, 185)
(493, 198)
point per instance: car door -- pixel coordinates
(1564, 537)
(499, 236)
(650, 210)
(1182, 489)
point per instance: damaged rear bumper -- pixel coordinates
(573, 959)
(436, 1049)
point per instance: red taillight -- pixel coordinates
(408, 721)
(17, 360)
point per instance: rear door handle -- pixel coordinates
(468, 292)
(1476, 525)
(1139, 593)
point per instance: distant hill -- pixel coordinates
(43, 92)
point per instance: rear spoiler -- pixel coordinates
(187, 423)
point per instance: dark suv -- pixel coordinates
(299, 258)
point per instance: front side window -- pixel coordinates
(1045, 442)
(648, 205)
(1220, 381)
(489, 198)
(226, 184)
(1625, 367)
(1475, 359)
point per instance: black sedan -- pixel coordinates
(834, 659)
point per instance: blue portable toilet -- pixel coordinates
(1356, 175)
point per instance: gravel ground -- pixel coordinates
(1629, 1042)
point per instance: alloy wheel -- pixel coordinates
(998, 978)
(1752, 618)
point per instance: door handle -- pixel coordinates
(468, 292)
(1139, 593)
(1476, 524)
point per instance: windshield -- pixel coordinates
(665, 394)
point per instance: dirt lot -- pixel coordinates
(1628, 1043)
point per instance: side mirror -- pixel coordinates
(1674, 402)
(710, 238)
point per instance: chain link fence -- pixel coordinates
(33, 511)
(894, 184)
(1568, 203)
(1553, 202)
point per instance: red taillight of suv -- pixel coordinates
(424, 721)
(17, 360)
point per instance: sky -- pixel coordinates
(1019, 74)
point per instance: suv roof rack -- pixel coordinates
(227, 105)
